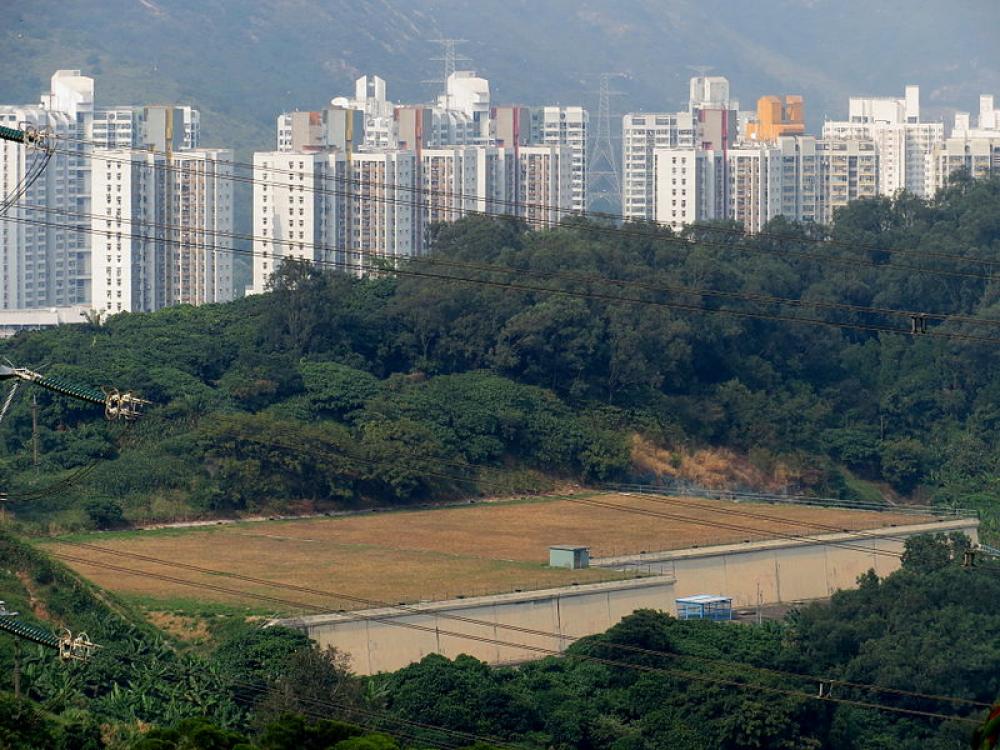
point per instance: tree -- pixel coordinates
(308, 677)
(293, 732)
(904, 463)
(192, 734)
(105, 514)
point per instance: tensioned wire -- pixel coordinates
(688, 242)
(507, 270)
(491, 625)
(465, 265)
(515, 286)
(29, 179)
(541, 650)
(520, 205)
(421, 464)
(351, 712)
(615, 507)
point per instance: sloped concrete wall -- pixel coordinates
(542, 622)
(785, 570)
(384, 640)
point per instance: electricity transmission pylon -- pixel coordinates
(449, 57)
(604, 188)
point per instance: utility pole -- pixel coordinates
(604, 189)
(17, 668)
(34, 430)
(4, 612)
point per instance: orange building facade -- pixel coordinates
(777, 117)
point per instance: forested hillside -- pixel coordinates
(333, 392)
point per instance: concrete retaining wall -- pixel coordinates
(785, 570)
(383, 640)
(379, 640)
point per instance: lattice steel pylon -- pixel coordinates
(604, 187)
(448, 58)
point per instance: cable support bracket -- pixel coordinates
(75, 648)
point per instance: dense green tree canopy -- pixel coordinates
(332, 389)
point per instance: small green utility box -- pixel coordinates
(569, 556)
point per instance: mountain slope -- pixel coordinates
(243, 62)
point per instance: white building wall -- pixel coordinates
(978, 155)
(295, 210)
(546, 185)
(128, 234)
(848, 171)
(688, 186)
(904, 143)
(384, 218)
(566, 126)
(200, 246)
(755, 185)
(40, 263)
(800, 177)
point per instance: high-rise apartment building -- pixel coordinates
(754, 179)
(565, 126)
(40, 260)
(711, 123)
(136, 256)
(799, 177)
(848, 171)
(46, 264)
(716, 114)
(129, 240)
(459, 180)
(690, 186)
(300, 211)
(201, 214)
(333, 127)
(427, 163)
(161, 228)
(358, 211)
(642, 134)
(904, 143)
(979, 156)
(547, 187)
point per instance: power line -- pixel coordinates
(528, 647)
(370, 725)
(594, 228)
(764, 517)
(30, 177)
(564, 275)
(690, 243)
(515, 286)
(373, 604)
(603, 215)
(421, 463)
(350, 712)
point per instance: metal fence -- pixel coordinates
(684, 490)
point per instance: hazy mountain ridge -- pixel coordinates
(243, 62)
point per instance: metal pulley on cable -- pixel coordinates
(918, 324)
(117, 405)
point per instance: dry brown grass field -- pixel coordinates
(409, 556)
